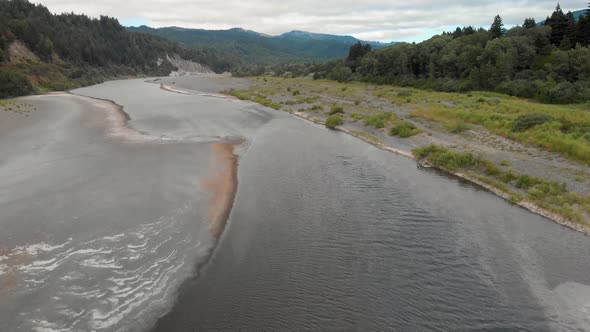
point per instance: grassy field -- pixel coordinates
(567, 132)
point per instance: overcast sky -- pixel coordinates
(383, 20)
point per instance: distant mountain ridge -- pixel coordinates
(251, 47)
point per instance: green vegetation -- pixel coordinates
(333, 121)
(404, 129)
(69, 50)
(530, 120)
(336, 109)
(549, 62)
(380, 120)
(549, 195)
(257, 98)
(557, 128)
(249, 52)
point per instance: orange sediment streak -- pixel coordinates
(222, 184)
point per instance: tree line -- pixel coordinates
(549, 61)
(79, 48)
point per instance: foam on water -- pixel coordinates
(122, 281)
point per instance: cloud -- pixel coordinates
(383, 20)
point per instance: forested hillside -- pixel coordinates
(549, 62)
(43, 51)
(249, 47)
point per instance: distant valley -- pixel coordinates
(249, 47)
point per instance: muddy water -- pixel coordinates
(326, 233)
(101, 222)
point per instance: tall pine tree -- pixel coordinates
(497, 29)
(558, 24)
(529, 23)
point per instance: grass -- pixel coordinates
(404, 129)
(380, 120)
(552, 196)
(336, 109)
(567, 133)
(257, 98)
(564, 129)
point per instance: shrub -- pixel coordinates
(457, 127)
(404, 129)
(333, 121)
(443, 157)
(296, 93)
(317, 107)
(508, 176)
(357, 116)
(378, 120)
(404, 93)
(530, 120)
(336, 109)
(526, 181)
(14, 84)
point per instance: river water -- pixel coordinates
(326, 233)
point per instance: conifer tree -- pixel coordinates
(497, 29)
(529, 23)
(558, 24)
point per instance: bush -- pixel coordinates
(317, 107)
(378, 120)
(404, 129)
(333, 121)
(443, 157)
(14, 84)
(404, 93)
(457, 127)
(336, 109)
(530, 120)
(526, 181)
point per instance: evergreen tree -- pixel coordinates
(497, 29)
(558, 24)
(570, 29)
(529, 23)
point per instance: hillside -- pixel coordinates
(549, 63)
(250, 47)
(41, 51)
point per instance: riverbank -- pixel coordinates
(489, 186)
(93, 197)
(368, 113)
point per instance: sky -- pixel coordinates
(375, 20)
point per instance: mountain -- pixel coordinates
(250, 47)
(321, 36)
(41, 51)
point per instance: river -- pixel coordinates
(326, 232)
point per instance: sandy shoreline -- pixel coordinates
(222, 184)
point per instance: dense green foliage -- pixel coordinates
(380, 120)
(243, 48)
(404, 129)
(13, 83)
(549, 62)
(77, 50)
(334, 121)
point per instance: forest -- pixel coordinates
(548, 61)
(74, 50)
